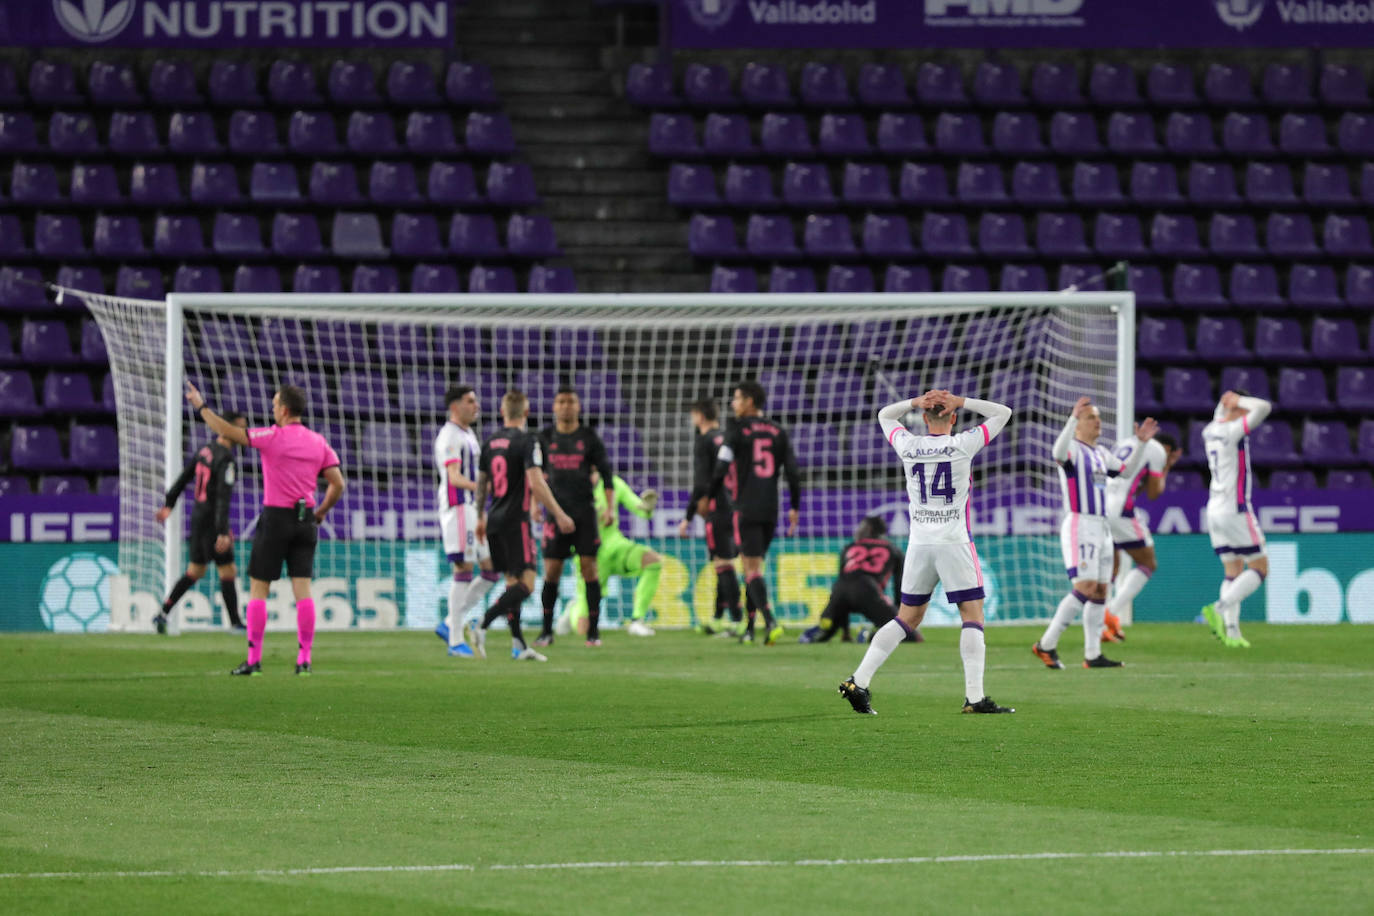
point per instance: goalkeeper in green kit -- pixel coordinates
(620, 556)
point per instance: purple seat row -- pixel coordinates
(59, 485)
(39, 448)
(1279, 340)
(61, 392)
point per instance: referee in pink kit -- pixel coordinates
(293, 458)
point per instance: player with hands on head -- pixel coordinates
(940, 549)
(1085, 466)
(1130, 532)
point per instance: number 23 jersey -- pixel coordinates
(937, 482)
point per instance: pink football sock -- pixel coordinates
(305, 629)
(257, 624)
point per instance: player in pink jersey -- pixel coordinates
(293, 459)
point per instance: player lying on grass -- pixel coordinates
(867, 565)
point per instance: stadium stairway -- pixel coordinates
(556, 67)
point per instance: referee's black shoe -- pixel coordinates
(303, 670)
(858, 697)
(253, 670)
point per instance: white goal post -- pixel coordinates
(375, 366)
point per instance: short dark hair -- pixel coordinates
(457, 393)
(293, 399)
(753, 391)
(872, 526)
(1166, 440)
(565, 389)
(231, 416)
(706, 407)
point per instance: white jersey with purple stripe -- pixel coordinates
(455, 445)
(1122, 490)
(938, 471)
(1228, 457)
(1083, 477)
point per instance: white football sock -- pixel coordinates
(973, 650)
(1230, 617)
(455, 617)
(1094, 613)
(1068, 609)
(1131, 584)
(1241, 587)
(888, 638)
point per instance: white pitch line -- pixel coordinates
(689, 863)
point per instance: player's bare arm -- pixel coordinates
(483, 484)
(221, 426)
(540, 487)
(334, 487)
(457, 478)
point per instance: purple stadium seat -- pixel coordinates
(940, 84)
(1118, 235)
(691, 185)
(1097, 184)
(433, 278)
(1326, 184)
(1271, 445)
(170, 82)
(750, 186)
(214, 183)
(828, 235)
(867, 184)
(237, 234)
(1113, 84)
(192, 133)
(17, 132)
(64, 485)
(531, 236)
(94, 185)
(357, 235)
(1355, 388)
(1336, 340)
(418, 391)
(734, 279)
(312, 133)
(625, 446)
(816, 445)
(296, 235)
(34, 183)
(393, 184)
(785, 134)
(981, 183)
(257, 278)
(1303, 389)
(511, 184)
(1327, 442)
(770, 236)
(545, 279)
(334, 183)
(21, 288)
(646, 85)
(1227, 85)
(959, 133)
(1168, 85)
(1079, 276)
(1303, 134)
(1197, 285)
(411, 83)
(1365, 441)
(765, 86)
(1234, 235)
(12, 236)
(191, 278)
(86, 278)
(489, 134)
(69, 392)
(1212, 183)
(1246, 134)
(902, 278)
(1189, 133)
(806, 184)
(601, 393)
(9, 85)
(290, 82)
(963, 278)
(233, 83)
(887, 236)
(253, 132)
(1313, 286)
(1359, 286)
(722, 135)
(371, 133)
(452, 183)
(1187, 390)
(1221, 340)
(430, 133)
(1342, 479)
(37, 448)
(946, 235)
(923, 183)
(1343, 86)
(711, 236)
(352, 83)
(1347, 236)
(134, 133)
(1256, 286)
(708, 86)
(316, 278)
(882, 86)
(1131, 132)
(155, 184)
(997, 84)
(473, 235)
(1155, 184)
(1269, 183)
(1024, 278)
(17, 398)
(53, 83)
(1292, 480)
(901, 134)
(844, 278)
(784, 279)
(1003, 235)
(363, 390)
(1162, 339)
(139, 283)
(1074, 133)
(1367, 183)
(1250, 378)
(843, 135)
(376, 279)
(1016, 132)
(1061, 235)
(786, 391)
(1145, 400)
(274, 182)
(1291, 235)
(1036, 183)
(1279, 340)
(73, 134)
(46, 342)
(1055, 84)
(824, 86)
(1285, 85)
(58, 235)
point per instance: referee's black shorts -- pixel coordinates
(283, 538)
(200, 545)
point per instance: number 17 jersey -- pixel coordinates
(938, 470)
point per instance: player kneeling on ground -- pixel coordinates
(867, 564)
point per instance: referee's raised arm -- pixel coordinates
(221, 426)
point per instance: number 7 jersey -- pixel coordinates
(938, 472)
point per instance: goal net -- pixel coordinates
(375, 369)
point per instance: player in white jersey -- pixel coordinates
(1084, 469)
(940, 548)
(1130, 530)
(456, 450)
(1236, 535)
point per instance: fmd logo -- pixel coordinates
(1239, 14)
(711, 14)
(93, 21)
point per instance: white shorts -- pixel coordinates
(1235, 534)
(955, 566)
(1087, 545)
(459, 527)
(1130, 531)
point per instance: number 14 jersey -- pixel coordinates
(938, 471)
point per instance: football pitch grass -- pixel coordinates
(682, 774)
